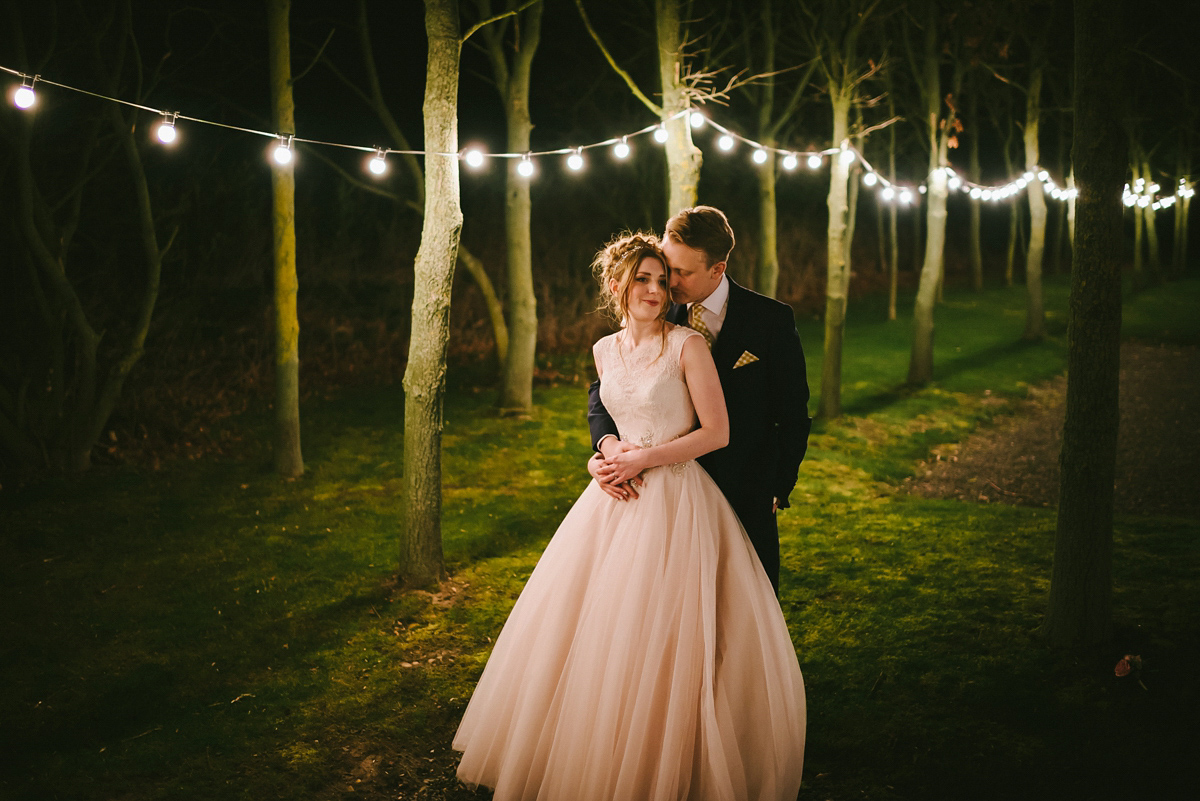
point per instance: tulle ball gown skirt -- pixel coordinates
(646, 658)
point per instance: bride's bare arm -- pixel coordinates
(707, 397)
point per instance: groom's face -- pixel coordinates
(692, 278)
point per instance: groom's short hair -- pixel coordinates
(703, 228)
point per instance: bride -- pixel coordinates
(647, 656)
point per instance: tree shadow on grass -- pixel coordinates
(866, 405)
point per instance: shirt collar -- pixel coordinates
(716, 301)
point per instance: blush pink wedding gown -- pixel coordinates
(647, 657)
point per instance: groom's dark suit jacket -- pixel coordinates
(767, 400)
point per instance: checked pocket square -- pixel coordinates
(744, 359)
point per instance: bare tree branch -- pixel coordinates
(495, 18)
(878, 126)
(612, 62)
(315, 60)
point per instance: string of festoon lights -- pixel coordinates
(1142, 194)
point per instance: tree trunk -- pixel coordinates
(1139, 226)
(1183, 210)
(683, 157)
(1179, 230)
(288, 460)
(767, 278)
(893, 212)
(516, 384)
(1071, 185)
(1010, 252)
(881, 234)
(920, 365)
(1080, 607)
(976, 247)
(421, 562)
(1035, 314)
(1063, 211)
(1154, 263)
(837, 270)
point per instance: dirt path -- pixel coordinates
(1158, 453)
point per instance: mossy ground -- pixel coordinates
(210, 631)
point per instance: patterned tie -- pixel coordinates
(696, 321)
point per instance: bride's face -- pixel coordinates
(648, 295)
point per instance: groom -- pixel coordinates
(761, 366)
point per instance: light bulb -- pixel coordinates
(888, 193)
(906, 196)
(814, 161)
(976, 193)
(378, 163)
(525, 167)
(954, 183)
(474, 158)
(1152, 188)
(621, 149)
(1022, 182)
(847, 157)
(660, 134)
(24, 97)
(575, 161)
(1129, 200)
(870, 179)
(166, 129)
(725, 142)
(987, 194)
(1028, 176)
(789, 161)
(696, 119)
(1042, 175)
(283, 151)
(760, 156)
(922, 189)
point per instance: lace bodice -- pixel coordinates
(644, 391)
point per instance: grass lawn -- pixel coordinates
(209, 631)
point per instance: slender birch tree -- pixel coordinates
(937, 131)
(510, 44)
(975, 173)
(834, 30)
(1035, 313)
(761, 42)
(421, 560)
(288, 459)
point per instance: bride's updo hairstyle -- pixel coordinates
(618, 261)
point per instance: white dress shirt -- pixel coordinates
(714, 307)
